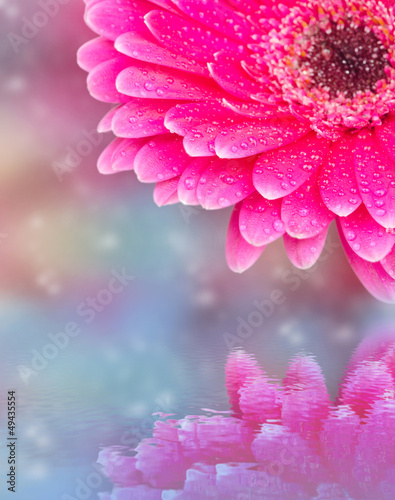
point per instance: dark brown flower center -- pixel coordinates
(346, 60)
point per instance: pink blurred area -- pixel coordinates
(47, 119)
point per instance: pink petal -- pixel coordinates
(280, 171)
(255, 109)
(261, 401)
(250, 138)
(119, 155)
(241, 369)
(200, 141)
(229, 74)
(338, 184)
(375, 452)
(161, 464)
(104, 17)
(140, 491)
(386, 135)
(369, 382)
(125, 154)
(165, 193)
(101, 80)
(184, 118)
(189, 179)
(186, 37)
(94, 52)
(275, 445)
(377, 347)
(203, 438)
(118, 466)
(144, 47)
(241, 480)
(374, 347)
(141, 118)
(304, 212)
(240, 255)
(365, 236)
(104, 163)
(375, 172)
(146, 80)
(105, 124)
(218, 15)
(306, 400)
(388, 263)
(372, 274)
(304, 253)
(304, 412)
(225, 182)
(166, 430)
(338, 440)
(389, 359)
(305, 373)
(161, 159)
(260, 221)
(245, 6)
(167, 5)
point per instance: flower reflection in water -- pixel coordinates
(280, 441)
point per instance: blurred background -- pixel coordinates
(90, 365)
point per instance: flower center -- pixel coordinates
(346, 61)
(333, 62)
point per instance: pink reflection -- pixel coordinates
(282, 441)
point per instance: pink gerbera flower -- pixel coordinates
(284, 109)
(284, 440)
